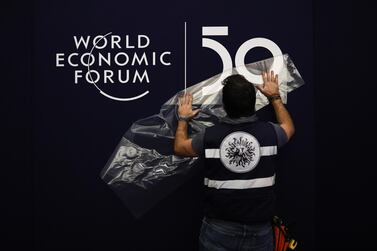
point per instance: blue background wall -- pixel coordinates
(59, 201)
(76, 129)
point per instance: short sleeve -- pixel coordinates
(197, 142)
(282, 137)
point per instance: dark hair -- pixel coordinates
(238, 96)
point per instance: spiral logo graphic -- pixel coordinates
(95, 82)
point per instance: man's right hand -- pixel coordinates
(270, 86)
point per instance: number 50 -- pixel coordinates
(240, 56)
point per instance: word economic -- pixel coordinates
(98, 56)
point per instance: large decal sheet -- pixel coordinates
(143, 168)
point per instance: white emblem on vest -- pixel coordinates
(240, 152)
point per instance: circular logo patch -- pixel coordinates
(240, 152)
(131, 152)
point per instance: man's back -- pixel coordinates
(240, 171)
(239, 162)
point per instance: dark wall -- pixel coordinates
(16, 126)
(59, 202)
(345, 39)
(76, 129)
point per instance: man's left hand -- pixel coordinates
(185, 107)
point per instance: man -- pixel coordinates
(239, 157)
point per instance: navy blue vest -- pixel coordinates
(240, 171)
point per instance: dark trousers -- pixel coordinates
(219, 235)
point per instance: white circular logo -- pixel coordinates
(240, 152)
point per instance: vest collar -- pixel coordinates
(240, 120)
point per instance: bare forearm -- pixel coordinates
(182, 143)
(180, 135)
(283, 117)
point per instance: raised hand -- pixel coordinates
(270, 86)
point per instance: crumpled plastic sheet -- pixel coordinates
(143, 168)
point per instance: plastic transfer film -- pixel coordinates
(143, 168)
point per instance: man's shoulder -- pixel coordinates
(281, 136)
(218, 126)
